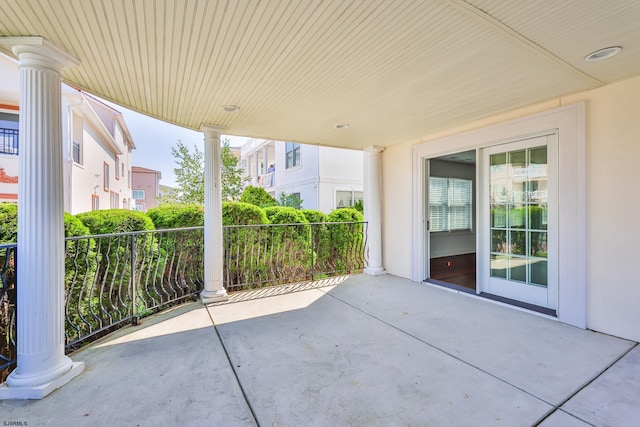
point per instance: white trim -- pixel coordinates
(570, 122)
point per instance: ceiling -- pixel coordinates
(394, 70)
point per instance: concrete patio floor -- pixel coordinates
(370, 351)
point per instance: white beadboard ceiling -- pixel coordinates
(394, 70)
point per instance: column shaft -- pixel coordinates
(373, 209)
(213, 234)
(42, 365)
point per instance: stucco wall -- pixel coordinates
(613, 147)
(613, 180)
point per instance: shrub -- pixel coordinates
(258, 196)
(8, 223)
(285, 215)
(345, 215)
(115, 221)
(345, 241)
(176, 216)
(314, 216)
(239, 213)
(74, 227)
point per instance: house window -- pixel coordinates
(122, 169)
(114, 200)
(292, 150)
(450, 204)
(129, 180)
(137, 194)
(117, 174)
(346, 199)
(95, 202)
(9, 141)
(77, 153)
(105, 180)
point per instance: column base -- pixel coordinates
(208, 297)
(40, 391)
(374, 271)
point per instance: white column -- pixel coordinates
(373, 209)
(256, 166)
(42, 365)
(214, 290)
(265, 159)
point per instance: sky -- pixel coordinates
(154, 138)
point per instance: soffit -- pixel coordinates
(394, 70)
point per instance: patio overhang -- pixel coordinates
(395, 72)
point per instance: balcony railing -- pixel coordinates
(8, 141)
(114, 279)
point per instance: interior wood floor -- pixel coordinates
(458, 269)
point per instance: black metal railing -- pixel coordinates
(114, 279)
(8, 141)
(274, 254)
(7, 309)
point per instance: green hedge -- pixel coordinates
(314, 216)
(115, 221)
(176, 216)
(9, 221)
(9, 224)
(345, 215)
(285, 215)
(258, 196)
(240, 213)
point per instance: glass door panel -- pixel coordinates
(518, 208)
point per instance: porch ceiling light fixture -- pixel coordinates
(230, 108)
(602, 54)
(342, 125)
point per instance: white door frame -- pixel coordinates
(569, 121)
(544, 297)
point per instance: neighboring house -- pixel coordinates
(323, 178)
(96, 147)
(168, 193)
(146, 188)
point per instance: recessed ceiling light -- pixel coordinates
(230, 108)
(602, 54)
(342, 125)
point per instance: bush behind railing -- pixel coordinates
(113, 279)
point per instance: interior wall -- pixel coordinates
(456, 242)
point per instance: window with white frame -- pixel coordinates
(292, 150)
(77, 153)
(450, 204)
(137, 194)
(95, 202)
(347, 199)
(114, 200)
(105, 171)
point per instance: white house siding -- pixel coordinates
(612, 182)
(82, 121)
(87, 178)
(339, 170)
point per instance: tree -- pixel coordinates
(189, 173)
(292, 200)
(232, 180)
